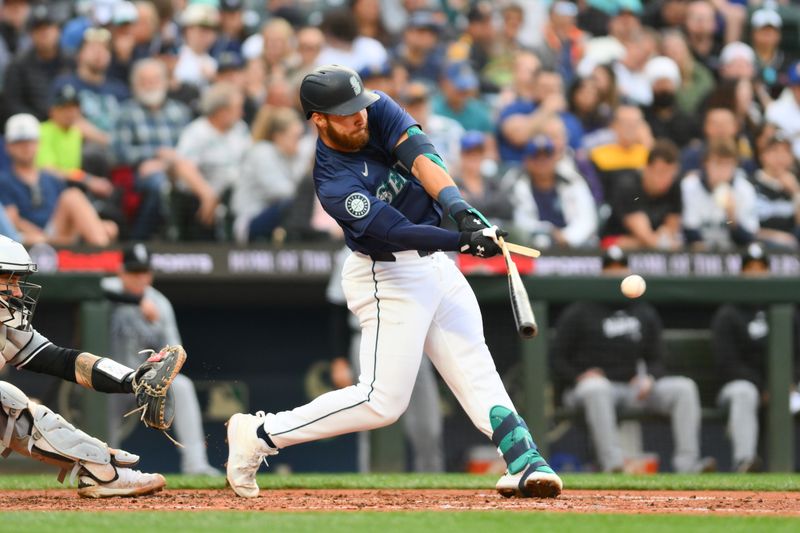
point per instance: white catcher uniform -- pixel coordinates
(408, 298)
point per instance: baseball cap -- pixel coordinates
(227, 61)
(42, 15)
(779, 137)
(479, 12)
(415, 92)
(22, 127)
(231, 5)
(762, 18)
(462, 76)
(755, 252)
(736, 50)
(540, 144)
(65, 95)
(124, 13)
(426, 20)
(472, 139)
(96, 35)
(136, 258)
(629, 6)
(376, 71)
(662, 67)
(564, 8)
(614, 255)
(200, 15)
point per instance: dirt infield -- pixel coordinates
(577, 501)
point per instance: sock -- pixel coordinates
(261, 433)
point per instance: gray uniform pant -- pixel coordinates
(674, 396)
(741, 398)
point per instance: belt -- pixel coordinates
(389, 256)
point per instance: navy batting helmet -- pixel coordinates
(334, 90)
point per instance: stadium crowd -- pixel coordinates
(668, 124)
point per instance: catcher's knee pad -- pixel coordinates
(36, 431)
(512, 437)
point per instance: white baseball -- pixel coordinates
(633, 286)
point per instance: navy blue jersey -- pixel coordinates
(368, 192)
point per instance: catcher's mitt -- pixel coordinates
(151, 384)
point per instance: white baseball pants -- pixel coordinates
(404, 307)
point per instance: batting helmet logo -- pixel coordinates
(357, 205)
(355, 85)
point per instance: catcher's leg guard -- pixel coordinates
(34, 430)
(528, 473)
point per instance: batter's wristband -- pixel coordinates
(450, 198)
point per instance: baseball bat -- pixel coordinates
(522, 250)
(520, 304)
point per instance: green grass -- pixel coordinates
(429, 522)
(757, 482)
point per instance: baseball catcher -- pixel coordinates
(31, 429)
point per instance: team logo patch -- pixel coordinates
(357, 205)
(355, 85)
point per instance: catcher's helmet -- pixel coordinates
(16, 311)
(334, 90)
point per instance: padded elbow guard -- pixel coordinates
(416, 145)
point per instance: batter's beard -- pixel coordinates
(351, 142)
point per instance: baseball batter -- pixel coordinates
(379, 176)
(32, 429)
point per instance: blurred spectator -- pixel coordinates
(87, 14)
(584, 102)
(310, 41)
(627, 153)
(696, 79)
(231, 69)
(626, 24)
(611, 355)
(785, 111)
(100, 96)
(13, 37)
(7, 227)
(478, 181)
(367, 14)
(272, 169)
(142, 318)
(344, 46)
(444, 132)
(778, 193)
(123, 41)
(646, 211)
(380, 78)
(665, 14)
(217, 141)
(421, 51)
(719, 123)
(146, 30)
(663, 115)
(739, 342)
(499, 71)
(719, 203)
(195, 65)
(61, 144)
(550, 209)
(519, 120)
(563, 45)
(700, 28)
(38, 203)
(270, 58)
(145, 137)
(231, 28)
(29, 77)
(476, 45)
(606, 82)
(632, 81)
(458, 98)
(737, 61)
(572, 164)
(522, 84)
(771, 61)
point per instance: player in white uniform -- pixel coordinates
(31, 429)
(379, 177)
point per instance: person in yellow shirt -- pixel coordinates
(61, 143)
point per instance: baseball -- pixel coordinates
(633, 286)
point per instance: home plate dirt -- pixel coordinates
(572, 501)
